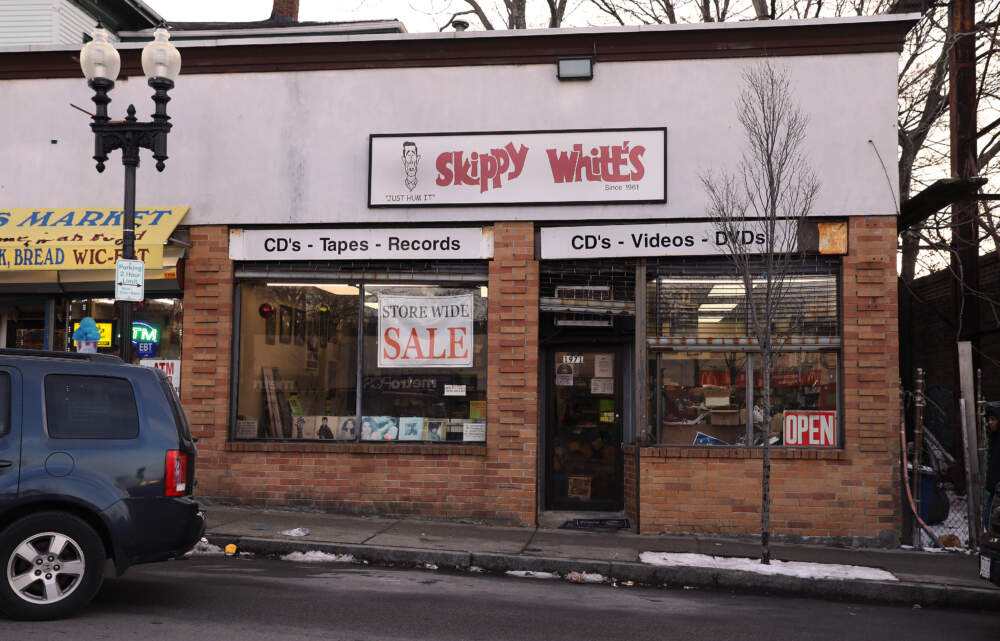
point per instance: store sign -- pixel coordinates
(810, 428)
(425, 331)
(660, 239)
(171, 368)
(105, 330)
(81, 237)
(516, 167)
(146, 339)
(428, 243)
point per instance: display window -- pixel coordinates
(706, 371)
(156, 327)
(362, 362)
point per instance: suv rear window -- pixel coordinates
(90, 407)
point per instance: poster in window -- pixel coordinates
(604, 365)
(379, 428)
(579, 488)
(434, 429)
(411, 428)
(299, 328)
(602, 386)
(425, 331)
(323, 427)
(270, 328)
(564, 375)
(285, 324)
(348, 428)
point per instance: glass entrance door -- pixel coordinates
(584, 429)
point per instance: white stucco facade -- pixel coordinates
(292, 147)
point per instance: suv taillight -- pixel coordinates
(176, 481)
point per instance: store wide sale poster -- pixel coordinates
(425, 331)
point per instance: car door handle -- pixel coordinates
(6, 463)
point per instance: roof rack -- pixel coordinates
(77, 356)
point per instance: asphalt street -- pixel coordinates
(223, 599)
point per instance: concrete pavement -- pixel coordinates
(942, 579)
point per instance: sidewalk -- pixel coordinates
(942, 579)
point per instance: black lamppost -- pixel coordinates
(161, 62)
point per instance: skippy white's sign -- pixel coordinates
(504, 168)
(425, 331)
(431, 243)
(661, 239)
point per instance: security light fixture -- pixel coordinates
(581, 68)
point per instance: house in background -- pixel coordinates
(68, 22)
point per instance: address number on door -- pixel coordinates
(576, 359)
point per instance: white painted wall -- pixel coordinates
(274, 148)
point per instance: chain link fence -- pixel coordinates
(941, 495)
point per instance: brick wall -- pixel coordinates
(494, 483)
(852, 492)
(207, 347)
(512, 406)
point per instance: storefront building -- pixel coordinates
(57, 266)
(428, 277)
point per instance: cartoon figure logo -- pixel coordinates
(410, 160)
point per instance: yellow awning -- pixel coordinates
(81, 238)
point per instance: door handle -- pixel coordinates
(6, 463)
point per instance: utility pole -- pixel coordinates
(962, 103)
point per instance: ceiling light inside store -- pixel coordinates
(709, 319)
(339, 290)
(716, 307)
(727, 289)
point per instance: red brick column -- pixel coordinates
(512, 405)
(871, 369)
(207, 350)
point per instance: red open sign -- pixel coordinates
(810, 428)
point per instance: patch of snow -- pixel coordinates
(430, 566)
(315, 556)
(585, 577)
(476, 569)
(528, 574)
(786, 568)
(204, 548)
(299, 531)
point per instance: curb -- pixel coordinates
(884, 592)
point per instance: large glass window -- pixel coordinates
(422, 358)
(703, 354)
(156, 327)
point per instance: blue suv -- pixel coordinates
(96, 465)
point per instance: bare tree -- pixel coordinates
(514, 14)
(770, 192)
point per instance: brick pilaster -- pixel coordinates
(207, 350)
(512, 405)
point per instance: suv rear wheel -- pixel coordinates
(53, 565)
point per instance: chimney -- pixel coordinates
(285, 11)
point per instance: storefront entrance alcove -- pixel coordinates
(586, 386)
(584, 417)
